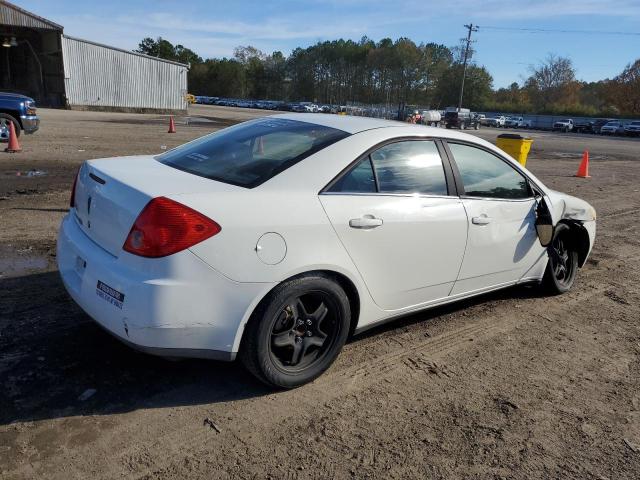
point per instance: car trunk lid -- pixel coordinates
(111, 193)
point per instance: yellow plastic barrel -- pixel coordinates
(515, 145)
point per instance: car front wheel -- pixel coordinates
(5, 121)
(562, 266)
(297, 331)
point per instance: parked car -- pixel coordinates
(591, 126)
(599, 123)
(19, 110)
(565, 125)
(460, 118)
(615, 127)
(273, 240)
(482, 118)
(632, 129)
(495, 121)
(517, 122)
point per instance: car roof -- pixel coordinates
(355, 125)
(346, 123)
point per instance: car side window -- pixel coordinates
(359, 179)
(412, 166)
(488, 176)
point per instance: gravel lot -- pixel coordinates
(509, 385)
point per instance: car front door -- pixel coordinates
(502, 245)
(401, 222)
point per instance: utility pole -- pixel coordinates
(470, 29)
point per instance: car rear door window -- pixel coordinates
(251, 153)
(485, 175)
(411, 166)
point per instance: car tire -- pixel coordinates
(477, 126)
(562, 266)
(4, 121)
(290, 339)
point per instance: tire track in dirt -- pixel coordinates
(183, 437)
(412, 359)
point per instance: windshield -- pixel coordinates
(251, 153)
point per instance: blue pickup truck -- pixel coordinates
(19, 109)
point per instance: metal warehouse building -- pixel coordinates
(38, 60)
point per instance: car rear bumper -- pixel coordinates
(175, 306)
(30, 123)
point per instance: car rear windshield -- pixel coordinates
(251, 153)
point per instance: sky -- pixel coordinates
(214, 28)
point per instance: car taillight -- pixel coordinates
(165, 227)
(72, 200)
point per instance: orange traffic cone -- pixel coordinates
(172, 125)
(583, 169)
(14, 146)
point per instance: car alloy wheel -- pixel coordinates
(561, 264)
(297, 331)
(5, 122)
(303, 331)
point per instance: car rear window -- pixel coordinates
(251, 153)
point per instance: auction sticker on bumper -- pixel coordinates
(111, 295)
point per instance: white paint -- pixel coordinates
(426, 251)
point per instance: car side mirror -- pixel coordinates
(544, 223)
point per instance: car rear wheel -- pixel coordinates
(562, 266)
(297, 331)
(5, 121)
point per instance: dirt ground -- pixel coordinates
(509, 385)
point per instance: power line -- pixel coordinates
(552, 30)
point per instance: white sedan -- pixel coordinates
(275, 239)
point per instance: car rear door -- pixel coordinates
(502, 243)
(397, 215)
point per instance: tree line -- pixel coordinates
(397, 72)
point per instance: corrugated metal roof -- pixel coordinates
(125, 51)
(17, 17)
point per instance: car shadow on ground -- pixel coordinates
(53, 356)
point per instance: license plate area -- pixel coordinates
(110, 294)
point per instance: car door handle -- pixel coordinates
(365, 222)
(481, 220)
